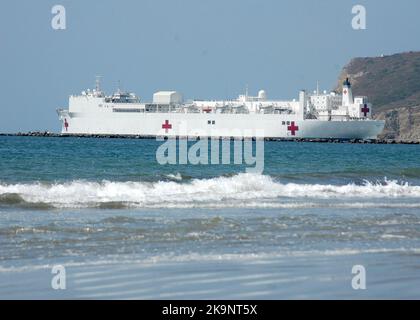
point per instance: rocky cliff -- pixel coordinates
(392, 84)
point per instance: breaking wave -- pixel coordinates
(241, 190)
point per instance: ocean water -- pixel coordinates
(125, 226)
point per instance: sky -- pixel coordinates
(206, 49)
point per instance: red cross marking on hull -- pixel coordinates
(293, 128)
(166, 126)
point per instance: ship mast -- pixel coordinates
(98, 83)
(119, 87)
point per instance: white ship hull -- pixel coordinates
(216, 125)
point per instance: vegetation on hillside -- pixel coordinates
(388, 81)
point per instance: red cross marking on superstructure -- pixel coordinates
(293, 128)
(66, 124)
(365, 110)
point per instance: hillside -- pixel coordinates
(392, 84)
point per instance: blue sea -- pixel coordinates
(126, 227)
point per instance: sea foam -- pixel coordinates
(239, 190)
